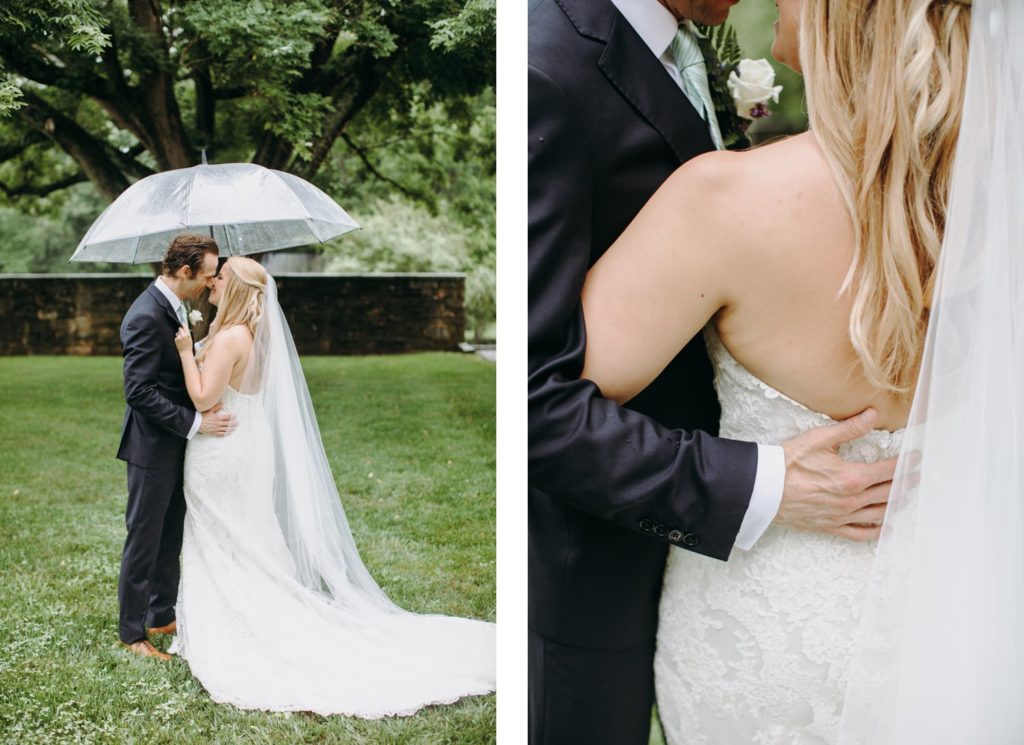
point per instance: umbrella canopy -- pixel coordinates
(245, 207)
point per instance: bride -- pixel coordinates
(276, 610)
(825, 261)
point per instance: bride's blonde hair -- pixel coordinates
(885, 90)
(241, 302)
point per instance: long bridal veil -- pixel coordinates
(940, 654)
(306, 500)
(341, 646)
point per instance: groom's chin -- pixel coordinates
(712, 12)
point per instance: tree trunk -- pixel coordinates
(92, 155)
(170, 144)
(350, 95)
(206, 105)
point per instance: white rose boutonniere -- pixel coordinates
(195, 317)
(752, 84)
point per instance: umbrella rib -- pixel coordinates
(188, 197)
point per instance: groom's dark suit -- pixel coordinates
(610, 487)
(157, 422)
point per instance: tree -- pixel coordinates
(112, 91)
(372, 101)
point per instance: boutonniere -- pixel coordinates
(752, 84)
(740, 87)
(194, 318)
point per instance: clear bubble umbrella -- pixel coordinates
(247, 208)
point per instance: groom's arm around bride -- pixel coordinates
(612, 486)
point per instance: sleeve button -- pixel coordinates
(675, 536)
(689, 539)
(646, 525)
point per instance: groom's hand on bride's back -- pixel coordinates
(826, 494)
(218, 423)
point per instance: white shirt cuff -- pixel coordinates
(766, 497)
(199, 423)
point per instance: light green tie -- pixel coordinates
(181, 315)
(685, 50)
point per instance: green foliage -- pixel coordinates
(439, 154)
(721, 51)
(724, 42)
(443, 219)
(10, 96)
(401, 236)
(75, 24)
(263, 48)
(472, 28)
(376, 101)
(261, 40)
(43, 242)
(411, 443)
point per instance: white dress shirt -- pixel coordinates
(175, 302)
(657, 26)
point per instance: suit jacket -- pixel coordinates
(611, 487)
(159, 414)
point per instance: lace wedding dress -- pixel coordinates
(756, 649)
(275, 608)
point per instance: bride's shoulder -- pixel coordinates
(786, 160)
(762, 182)
(237, 336)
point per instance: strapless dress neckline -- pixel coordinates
(732, 371)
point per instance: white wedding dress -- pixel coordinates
(256, 638)
(275, 608)
(756, 649)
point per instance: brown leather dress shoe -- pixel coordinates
(171, 628)
(144, 649)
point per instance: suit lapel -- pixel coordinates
(641, 78)
(164, 303)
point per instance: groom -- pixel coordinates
(158, 420)
(618, 99)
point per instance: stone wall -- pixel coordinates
(328, 313)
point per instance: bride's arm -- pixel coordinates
(207, 387)
(670, 271)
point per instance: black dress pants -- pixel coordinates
(155, 517)
(592, 696)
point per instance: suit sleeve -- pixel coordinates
(685, 488)
(139, 339)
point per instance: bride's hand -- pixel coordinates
(183, 340)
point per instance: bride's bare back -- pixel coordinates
(761, 242)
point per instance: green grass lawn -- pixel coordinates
(411, 443)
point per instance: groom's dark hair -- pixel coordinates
(188, 249)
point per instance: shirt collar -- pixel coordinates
(167, 293)
(652, 21)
